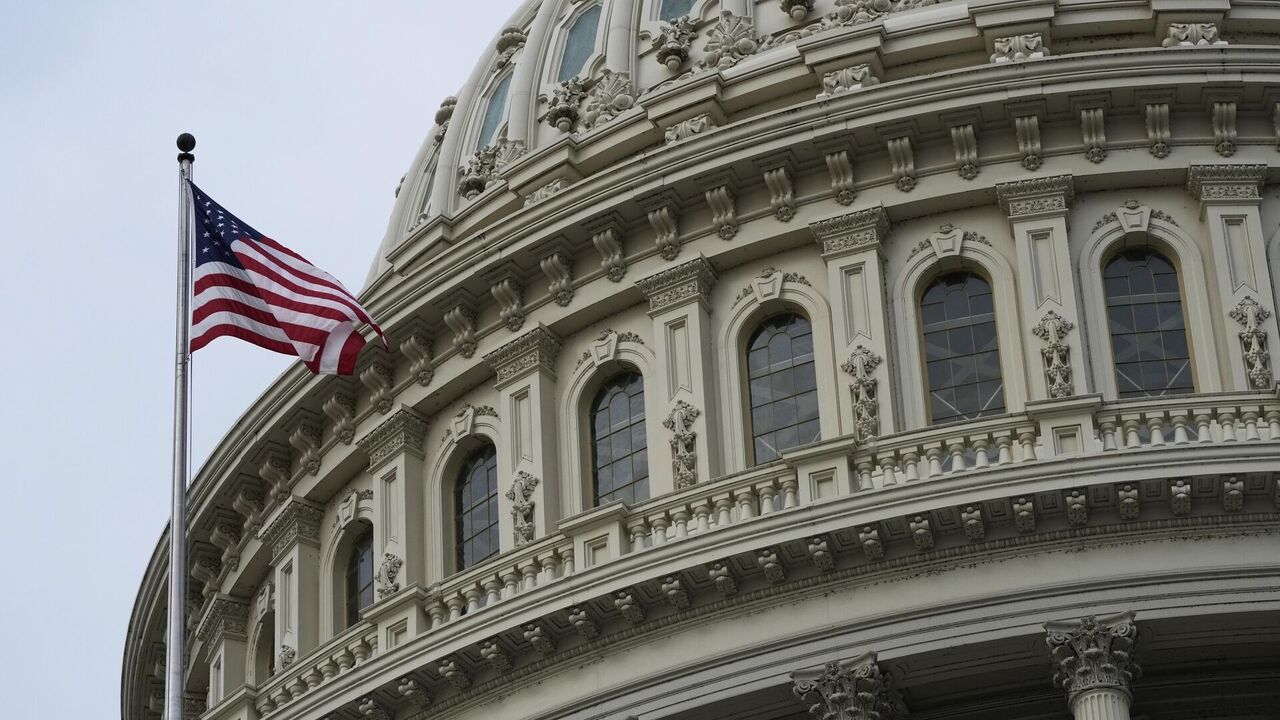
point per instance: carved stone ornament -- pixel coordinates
(673, 42)
(686, 129)
(948, 241)
(848, 13)
(225, 618)
(404, 431)
(522, 506)
(851, 231)
(385, 580)
(509, 294)
(853, 689)
(545, 192)
(665, 221)
(686, 281)
(732, 38)
(463, 423)
(1134, 217)
(609, 96)
(462, 322)
(684, 450)
(902, 163)
(443, 116)
(768, 283)
(1093, 653)
(797, 9)
(1027, 128)
(482, 168)
(373, 709)
(839, 82)
(287, 656)
(1253, 341)
(562, 106)
(1094, 133)
(341, 409)
(1057, 354)
(605, 347)
(509, 41)
(1192, 35)
(535, 349)
(1016, 48)
(1033, 196)
(297, 521)
(349, 505)
(1226, 183)
(866, 404)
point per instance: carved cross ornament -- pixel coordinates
(522, 505)
(846, 690)
(866, 405)
(1093, 653)
(1253, 340)
(684, 451)
(1057, 354)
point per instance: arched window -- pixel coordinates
(360, 576)
(494, 112)
(672, 9)
(962, 355)
(579, 44)
(782, 386)
(264, 652)
(619, 456)
(475, 509)
(1148, 332)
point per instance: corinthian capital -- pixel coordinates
(846, 690)
(1093, 654)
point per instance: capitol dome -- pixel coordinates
(750, 359)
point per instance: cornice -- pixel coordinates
(295, 521)
(1226, 184)
(1036, 197)
(534, 350)
(405, 431)
(689, 281)
(851, 231)
(226, 617)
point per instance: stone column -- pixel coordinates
(852, 248)
(1037, 210)
(1094, 664)
(1229, 198)
(395, 450)
(224, 630)
(855, 689)
(293, 534)
(686, 398)
(529, 491)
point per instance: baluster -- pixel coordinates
(660, 525)
(980, 459)
(681, 517)
(1131, 437)
(1004, 443)
(492, 591)
(1273, 419)
(1027, 439)
(566, 562)
(473, 595)
(888, 476)
(280, 697)
(345, 660)
(1227, 421)
(529, 571)
(1250, 419)
(328, 669)
(638, 534)
(1180, 436)
(791, 486)
(702, 516)
(934, 454)
(767, 493)
(360, 650)
(1204, 431)
(911, 466)
(455, 603)
(436, 612)
(510, 583)
(1155, 424)
(864, 467)
(746, 500)
(550, 564)
(723, 507)
(956, 449)
(1108, 430)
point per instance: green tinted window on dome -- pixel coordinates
(494, 112)
(580, 43)
(672, 9)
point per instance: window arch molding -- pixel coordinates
(771, 295)
(921, 270)
(469, 429)
(353, 514)
(608, 357)
(259, 663)
(1169, 240)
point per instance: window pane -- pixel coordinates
(782, 389)
(580, 43)
(1148, 331)
(359, 576)
(672, 9)
(620, 466)
(961, 349)
(494, 112)
(476, 508)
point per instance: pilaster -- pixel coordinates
(293, 534)
(528, 491)
(1230, 198)
(679, 305)
(224, 630)
(1094, 664)
(1050, 312)
(852, 247)
(396, 456)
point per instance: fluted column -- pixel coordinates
(854, 689)
(1230, 200)
(678, 303)
(529, 484)
(1094, 664)
(852, 249)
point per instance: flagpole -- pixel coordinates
(174, 655)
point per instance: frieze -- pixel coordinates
(404, 431)
(225, 617)
(686, 281)
(297, 521)
(532, 350)
(1226, 182)
(1036, 195)
(851, 231)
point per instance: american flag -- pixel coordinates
(251, 287)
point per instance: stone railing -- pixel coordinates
(609, 533)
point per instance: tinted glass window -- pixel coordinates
(619, 445)
(494, 112)
(1144, 317)
(783, 386)
(672, 9)
(360, 576)
(475, 504)
(580, 43)
(962, 355)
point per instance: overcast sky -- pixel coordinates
(306, 115)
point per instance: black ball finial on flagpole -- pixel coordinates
(186, 143)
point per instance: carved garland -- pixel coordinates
(866, 404)
(1057, 354)
(684, 451)
(522, 506)
(1253, 341)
